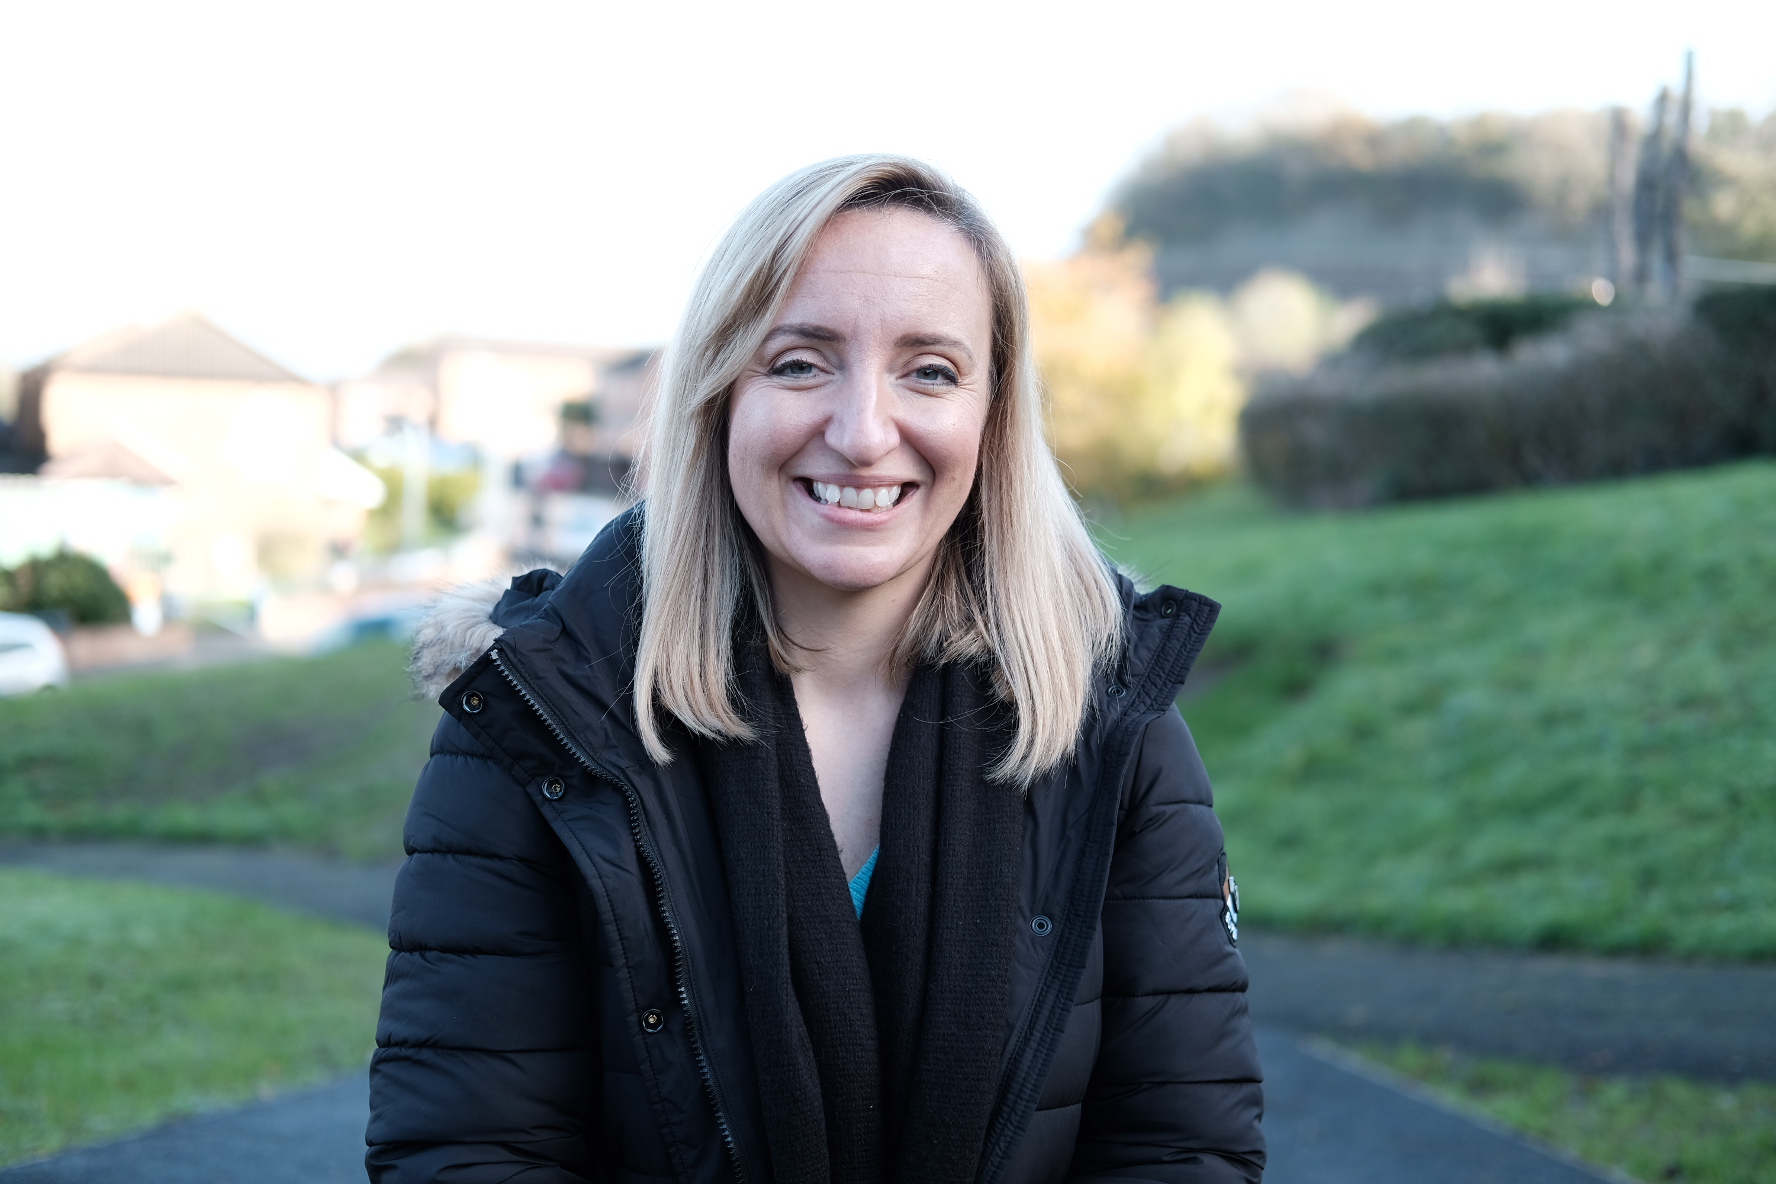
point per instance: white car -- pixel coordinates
(31, 655)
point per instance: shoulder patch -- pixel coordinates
(1230, 908)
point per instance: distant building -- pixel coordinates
(225, 459)
(501, 397)
(552, 427)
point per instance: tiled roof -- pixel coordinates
(107, 458)
(426, 354)
(187, 346)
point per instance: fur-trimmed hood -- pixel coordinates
(458, 627)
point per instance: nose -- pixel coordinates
(862, 428)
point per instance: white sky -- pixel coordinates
(330, 180)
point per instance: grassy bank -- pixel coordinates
(321, 752)
(1652, 1128)
(125, 1004)
(1535, 720)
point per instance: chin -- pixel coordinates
(853, 573)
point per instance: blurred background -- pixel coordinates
(1440, 346)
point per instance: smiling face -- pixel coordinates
(855, 430)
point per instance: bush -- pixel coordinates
(1448, 328)
(1611, 395)
(1744, 320)
(66, 582)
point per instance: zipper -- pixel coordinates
(644, 845)
(997, 1149)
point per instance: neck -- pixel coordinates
(847, 638)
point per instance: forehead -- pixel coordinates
(897, 254)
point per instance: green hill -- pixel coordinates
(1533, 720)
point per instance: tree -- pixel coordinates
(1142, 396)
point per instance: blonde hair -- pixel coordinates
(1017, 583)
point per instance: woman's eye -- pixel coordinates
(934, 374)
(793, 368)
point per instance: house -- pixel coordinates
(552, 427)
(502, 398)
(248, 490)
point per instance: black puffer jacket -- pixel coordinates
(563, 1001)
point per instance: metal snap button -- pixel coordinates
(1117, 690)
(1168, 608)
(1041, 926)
(553, 788)
(652, 1020)
(473, 702)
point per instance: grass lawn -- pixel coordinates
(1536, 720)
(1652, 1128)
(320, 752)
(125, 1004)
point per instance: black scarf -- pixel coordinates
(877, 1046)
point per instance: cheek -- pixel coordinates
(952, 447)
(748, 429)
(759, 438)
(749, 458)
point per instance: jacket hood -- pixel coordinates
(457, 629)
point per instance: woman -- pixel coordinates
(855, 638)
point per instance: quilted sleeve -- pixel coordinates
(486, 1066)
(1175, 1094)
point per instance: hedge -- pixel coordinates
(67, 583)
(1611, 395)
(1458, 327)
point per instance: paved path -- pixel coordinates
(1594, 1015)
(1326, 1125)
(1590, 1014)
(1329, 1120)
(314, 1137)
(294, 880)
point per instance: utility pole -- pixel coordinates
(1677, 184)
(416, 448)
(1648, 183)
(1621, 199)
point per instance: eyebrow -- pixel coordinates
(805, 331)
(812, 332)
(935, 340)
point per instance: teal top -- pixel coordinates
(860, 882)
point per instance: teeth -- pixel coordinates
(869, 498)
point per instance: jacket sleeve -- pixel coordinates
(486, 1066)
(1175, 1093)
